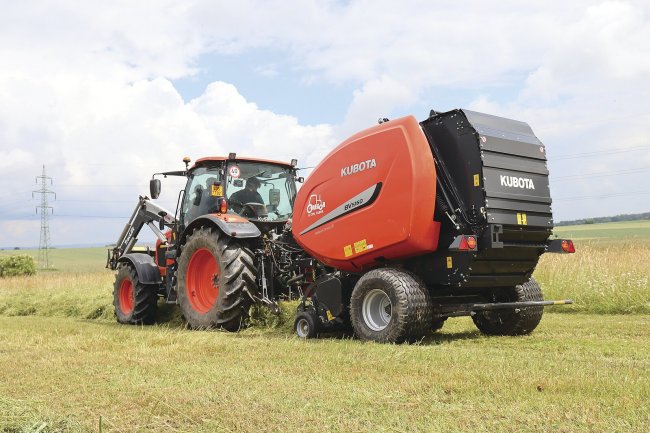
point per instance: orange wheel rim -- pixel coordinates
(126, 296)
(201, 280)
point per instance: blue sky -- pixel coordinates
(106, 94)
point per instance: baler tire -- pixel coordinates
(437, 324)
(306, 324)
(135, 303)
(236, 276)
(509, 322)
(410, 306)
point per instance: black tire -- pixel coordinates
(510, 322)
(135, 303)
(437, 324)
(307, 324)
(407, 318)
(235, 276)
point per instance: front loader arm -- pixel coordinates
(145, 212)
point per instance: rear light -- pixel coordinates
(463, 243)
(567, 246)
(223, 205)
(562, 246)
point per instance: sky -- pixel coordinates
(103, 94)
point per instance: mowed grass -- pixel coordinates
(578, 373)
(64, 362)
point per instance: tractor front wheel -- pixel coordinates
(216, 280)
(513, 322)
(390, 306)
(135, 303)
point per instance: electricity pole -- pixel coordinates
(44, 243)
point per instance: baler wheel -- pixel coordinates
(306, 324)
(216, 280)
(135, 303)
(510, 322)
(390, 306)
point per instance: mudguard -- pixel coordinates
(145, 267)
(232, 225)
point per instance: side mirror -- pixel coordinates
(154, 188)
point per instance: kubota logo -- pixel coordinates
(315, 205)
(517, 182)
(356, 168)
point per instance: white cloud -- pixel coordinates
(85, 87)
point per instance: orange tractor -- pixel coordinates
(400, 227)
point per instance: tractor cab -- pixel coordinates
(261, 191)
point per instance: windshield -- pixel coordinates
(200, 199)
(260, 191)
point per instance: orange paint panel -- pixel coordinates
(375, 192)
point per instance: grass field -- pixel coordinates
(65, 363)
(586, 374)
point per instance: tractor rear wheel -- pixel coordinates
(512, 322)
(135, 303)
(390, 306)
(216, 280)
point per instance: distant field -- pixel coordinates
(617, 231)
(610, 273)
(70, 259)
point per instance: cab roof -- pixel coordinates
(201, 161)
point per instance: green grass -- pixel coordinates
(586, 374)
(65, 362)
(69, 259)
(608, 232)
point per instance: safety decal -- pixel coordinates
(360, 246)
(216, 190)
(450, 263)
(521, 219)
(477, 181)
(330, 316)
(234, 171)
(347, 250)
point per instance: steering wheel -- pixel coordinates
(253, 210)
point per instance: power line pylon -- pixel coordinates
(44, 243)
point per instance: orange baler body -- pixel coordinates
(371, 199)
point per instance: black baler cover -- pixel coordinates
(497, 165)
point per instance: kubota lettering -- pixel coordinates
(356, 168)
(517, 182)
